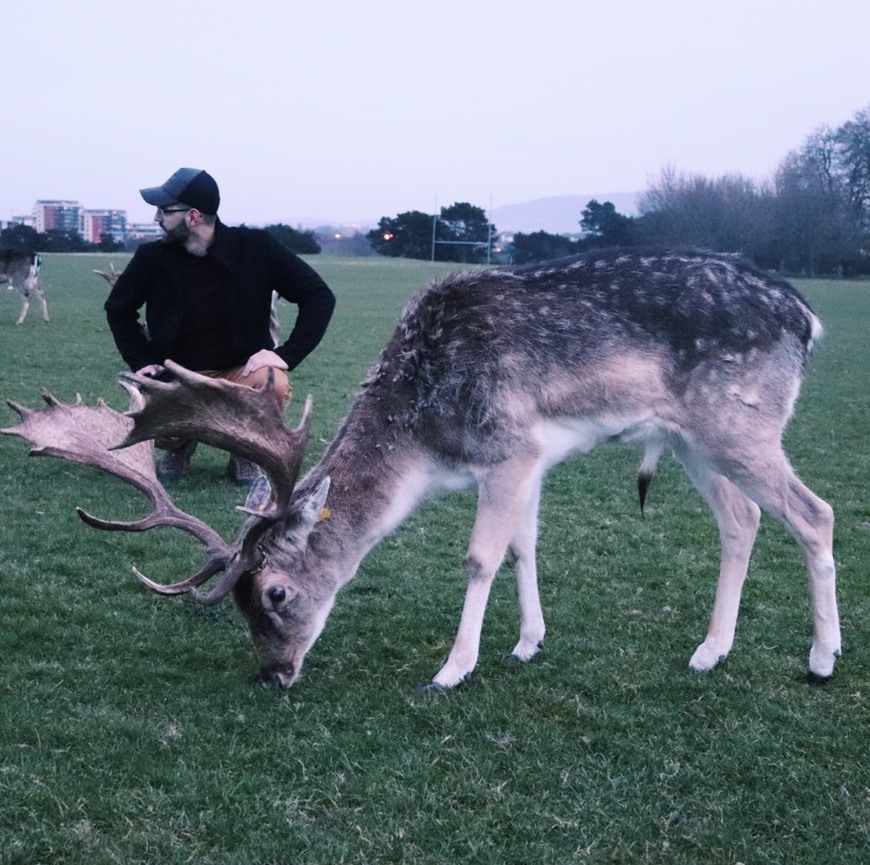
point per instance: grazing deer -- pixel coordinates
(21, 270)
(491, 378)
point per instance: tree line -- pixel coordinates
(26, 237)
(57, 240)
(812, 218)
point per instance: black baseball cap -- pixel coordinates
(191, 186)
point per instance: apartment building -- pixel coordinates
(53, 215)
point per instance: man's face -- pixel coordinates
(173, 221)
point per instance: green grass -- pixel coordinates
(131, 730)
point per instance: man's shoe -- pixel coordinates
(242, 471)
(174, 462)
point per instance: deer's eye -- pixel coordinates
(276, 594)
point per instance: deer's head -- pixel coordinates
(269, 569)
(287, 599)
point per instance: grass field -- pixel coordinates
(131, 730)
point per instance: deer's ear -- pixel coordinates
(314, 509)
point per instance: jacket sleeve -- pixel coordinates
(299, 283)
(122, 307)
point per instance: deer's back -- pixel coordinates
(478, 354)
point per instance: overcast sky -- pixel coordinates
(354, 109)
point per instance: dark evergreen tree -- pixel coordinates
(408, 235)
(300, 242)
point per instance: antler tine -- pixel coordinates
(86, 434)
(82, 433)
(137, 401)
(166, 513)
(245, 421)
(191, 583)
(245, 558)
(111, 277)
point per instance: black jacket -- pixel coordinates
(258, 265)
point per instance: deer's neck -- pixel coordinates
(378, 476)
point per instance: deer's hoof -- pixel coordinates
(437, 688)
(707, 658)
(525, 651)
(430, 688)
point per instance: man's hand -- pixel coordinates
(263, 358)
(152, 370)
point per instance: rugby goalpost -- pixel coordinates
(476, 243)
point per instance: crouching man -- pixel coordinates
(206, 289)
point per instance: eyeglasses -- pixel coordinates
(163, 211)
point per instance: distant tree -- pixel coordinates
(812, 218)
(109, 244)
(853, 152)
(19, 237)
(823, 197)
(727, 214)
(463, 234)
(300, 242)
(408, 235)
(56, 240)
(603, 225)
(540, 246)
(60, 240)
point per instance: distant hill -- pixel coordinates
(558, 215)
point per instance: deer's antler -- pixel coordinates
(111, 276)
(245, 421)
(85, 434)
(239, 419)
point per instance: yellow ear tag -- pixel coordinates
(324, 514)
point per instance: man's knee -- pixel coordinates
(281, 385)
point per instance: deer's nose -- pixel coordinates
(275, 678)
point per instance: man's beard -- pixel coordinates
(177, 235)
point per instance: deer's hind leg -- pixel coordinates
(506, 493)
(25, 306)
(810, 520)
(737, 518)
(764, 476)
(40, 296)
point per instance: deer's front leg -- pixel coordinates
(502, 503)
(25, 305)
(463, 656)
